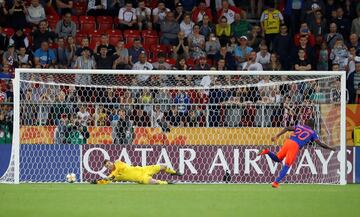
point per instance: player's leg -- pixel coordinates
(169, 170)
(290, 158)
(276, 157)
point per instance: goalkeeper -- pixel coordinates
(121, 171)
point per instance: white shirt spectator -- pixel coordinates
(83, 117)
(263, 59)
(252, 66)
(126, 15)
(161, 14)
(91, 4)
(230, 16)
(186, 28)
(35, 14)
(143, 13)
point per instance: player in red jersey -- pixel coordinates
(302, 135)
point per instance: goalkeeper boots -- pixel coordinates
(275, 184)
(177, 174)
(264, 152)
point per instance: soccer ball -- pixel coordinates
(71, 178)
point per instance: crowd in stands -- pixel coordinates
(304, 35)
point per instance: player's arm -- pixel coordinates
(286, 129)
(323, 145)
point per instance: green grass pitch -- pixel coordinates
(132, 200)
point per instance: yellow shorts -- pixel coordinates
(149, 171)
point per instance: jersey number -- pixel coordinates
(300, 134)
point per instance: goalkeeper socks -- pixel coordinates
(170, 171)
(273, 156)
(159, 182)
(282, 173)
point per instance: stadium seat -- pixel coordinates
(157, 48)
(80, 8)
(95, 35)
(52, 21)
(87, 23)
(130, 39)
(115, 36)
(145, 33)
(130, 33)
(150, 40)
(79, 37)
(104, 22)
(9, 31)
(171, 61)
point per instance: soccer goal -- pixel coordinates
(210, 125)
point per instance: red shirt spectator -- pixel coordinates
(304, 31)
(200, 11)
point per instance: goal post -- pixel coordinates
(218, 130)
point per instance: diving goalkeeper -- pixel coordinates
(121, 171)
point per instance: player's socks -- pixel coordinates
(282, 174)
(170, 171)
(273, 156)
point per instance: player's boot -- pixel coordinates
(264, 152)
(275, 184)
(177, 174)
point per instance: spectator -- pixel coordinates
(212, 46)
(206, 27)
(355, 25)
(274, 64)
(85, 61)
(323, 59)
(127, 17)
(142, 64)
(317, 27)
(251, 64)
(97, 7)
(283, 46)
(172, 116)
(44, 56)
(227, 11)
(342, 23)
(332, 36)
(24, 57)
(123, 126)
(223, 30)
(200, 12)
(18, 15)
(83, 116)
(160, 63)
(181, 64)
(143, 15)
(159, 13)
(202, 65)
(221, 65)
(309, 9)
(302, 64)
(263, 56)
(35, 13)
(103, 60)
(240, 26)
(64, 6)
(271, 19)
(62, 58)
(181, 47)
(242, 52)
(309, 51)
(84, 43)
(350, 62)
(353, 82)
(135, 51)
(140, 118)
(256, 8)
(218, 4)
(227, 56)
(189, 5)
(43, 34)
(70, 50)
(339, 54)
(187, 25)
(255, 38)
(169, 29)
(121, 57)
(179, 13)
(3, 13)
(354, 42)
(293, 14)
(232, 44)
(183, 100)
(65, 27)
(104, 41)
(19, 39)
(10, 57)
(304, 32)
(196, 43)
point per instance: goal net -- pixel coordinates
(210, 125)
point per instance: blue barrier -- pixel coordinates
(5, 155)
